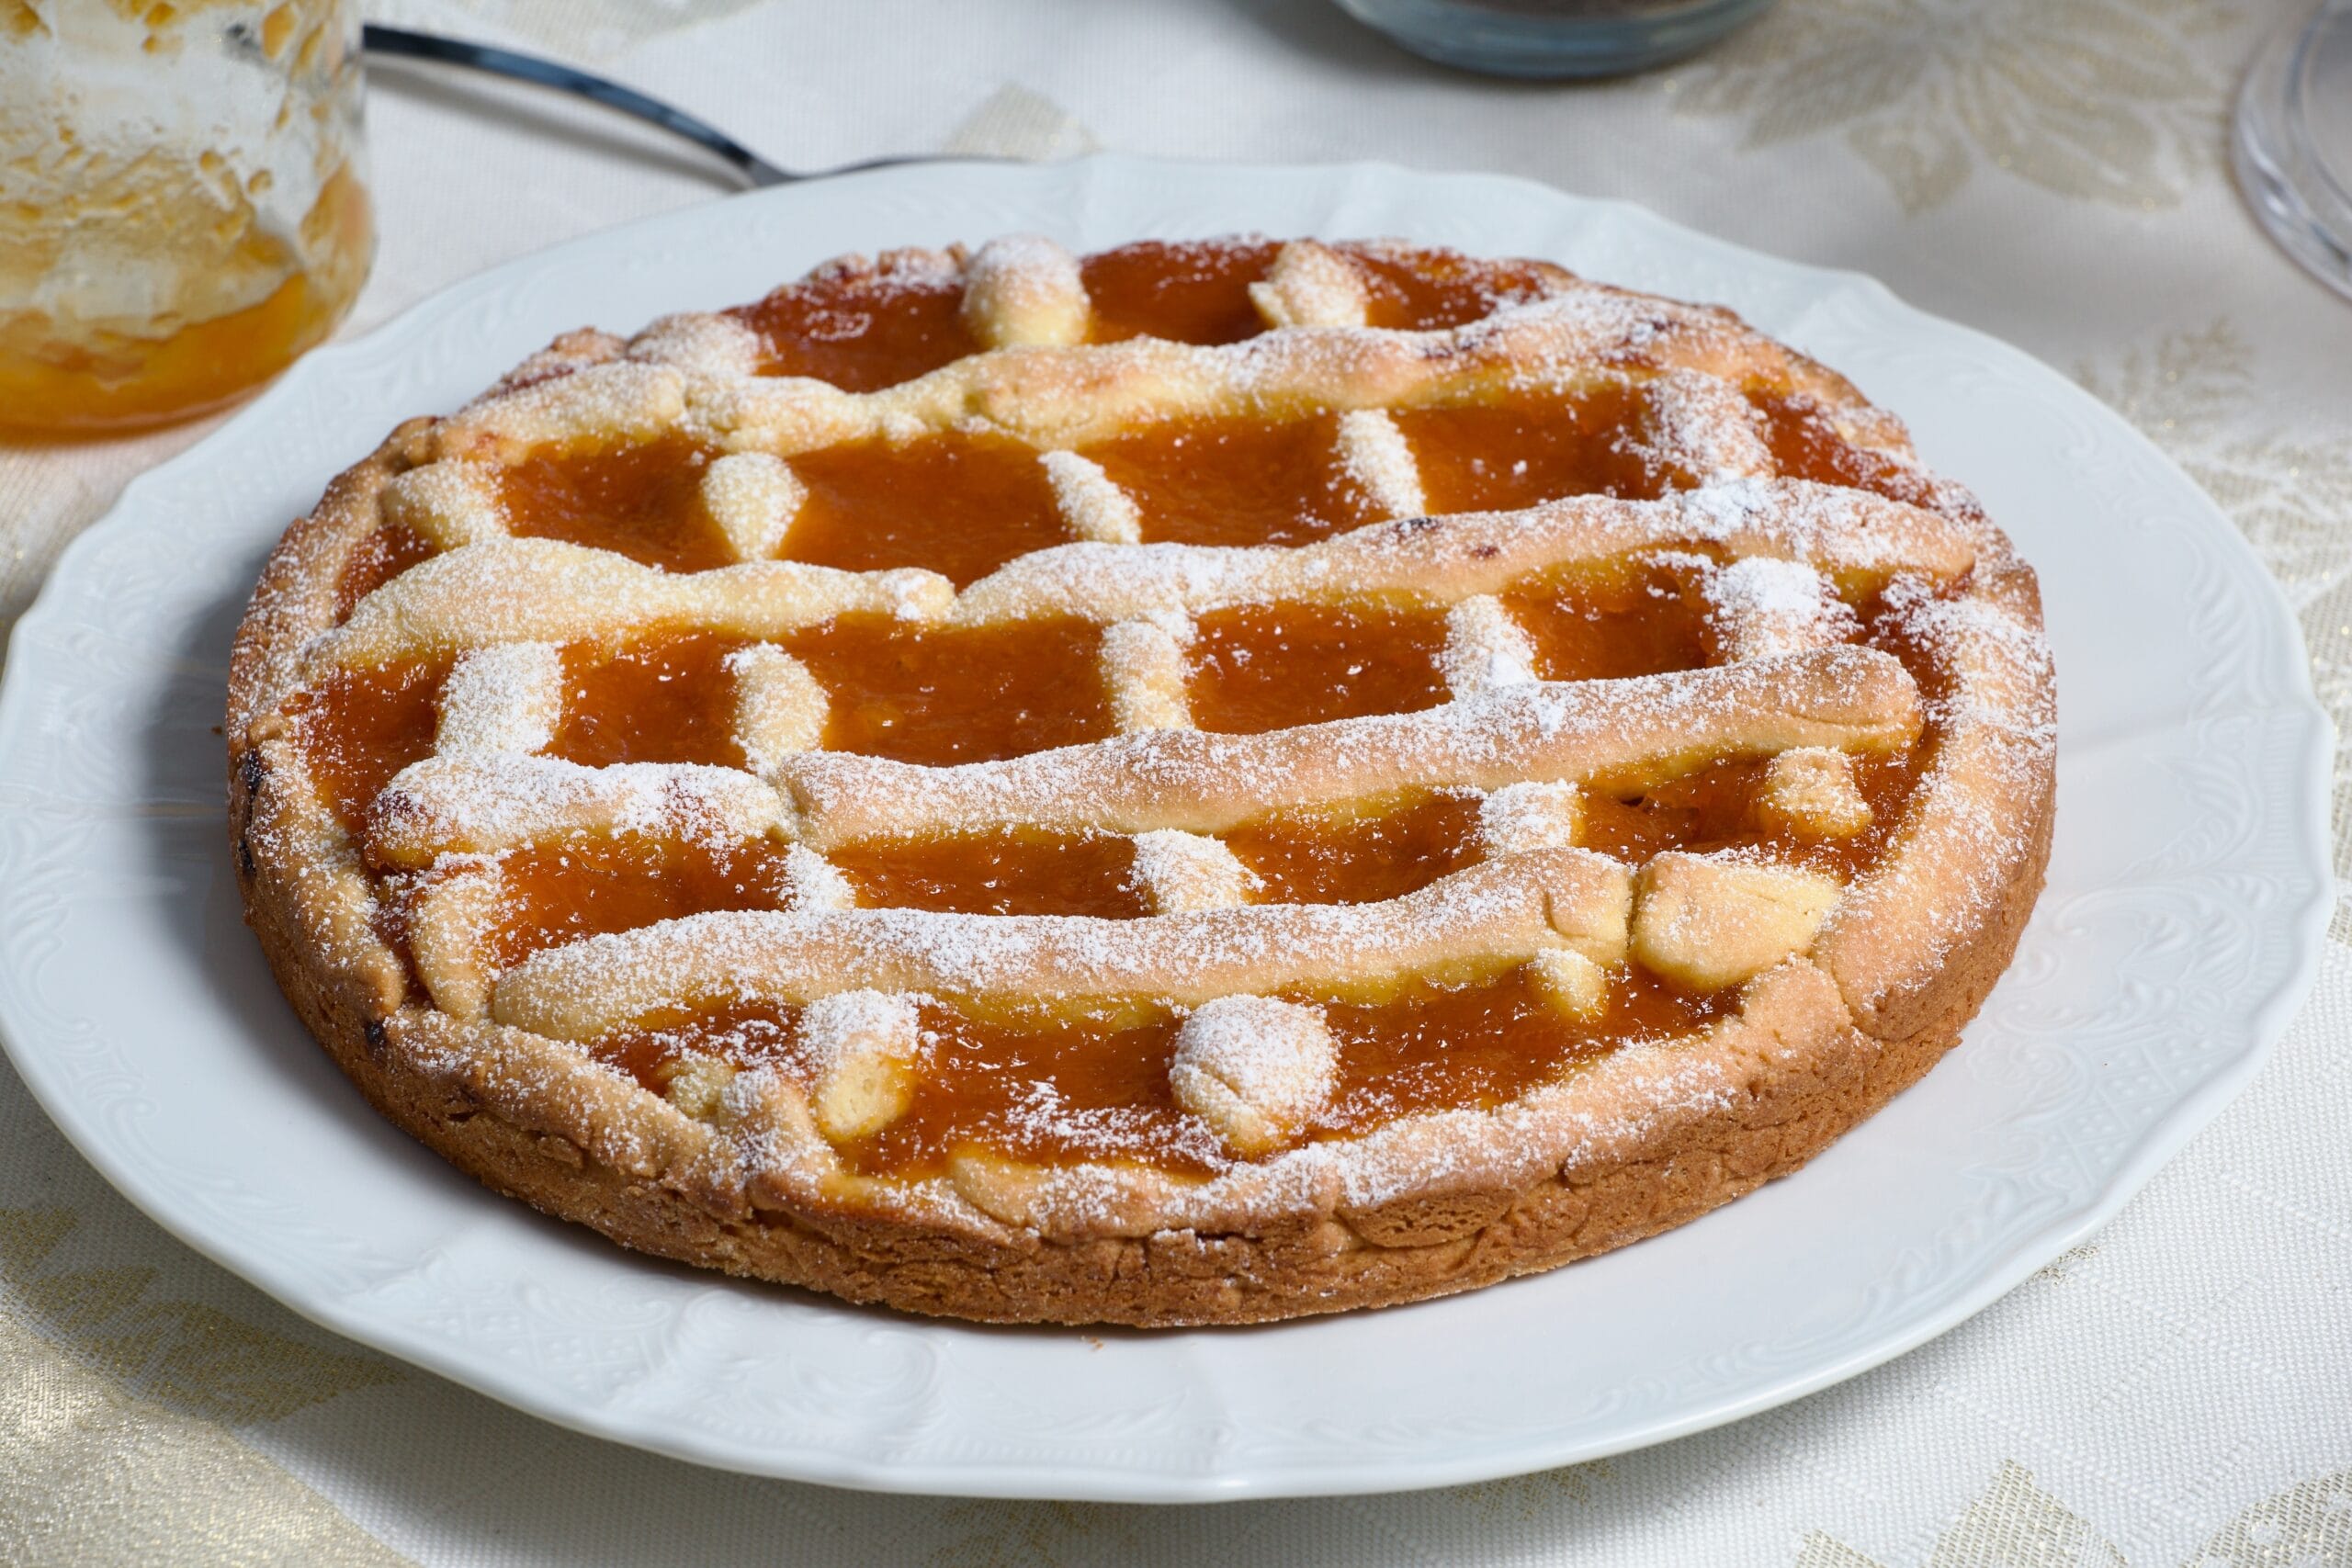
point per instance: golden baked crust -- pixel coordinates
(1831, 990)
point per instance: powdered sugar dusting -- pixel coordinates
(1762, 605)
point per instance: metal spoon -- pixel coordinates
(756, 170)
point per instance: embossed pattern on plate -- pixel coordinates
(2186, 900)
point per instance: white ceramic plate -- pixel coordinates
(2184, 913)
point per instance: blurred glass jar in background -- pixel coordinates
(183, 202)
(1554, 40)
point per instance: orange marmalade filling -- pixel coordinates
(957, 695)
(357, 727)
(1091, 1081)
(1010, 871)
(1429, 290)
(862, 332)
(1440, 1046)
(1271, 667)
(644, 502)
(1533, 446)
(1610, 620)
(1806, 445)
(962, 506)
(1050, 1088)
(1196, 291)
(669, 700)
(1237, 482)
(1714, 808)
(586, 886)
(1358, 857)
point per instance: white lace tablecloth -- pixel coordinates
(2175, 1393)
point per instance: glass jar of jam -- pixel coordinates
(183, 202)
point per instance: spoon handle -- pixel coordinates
(401, 43)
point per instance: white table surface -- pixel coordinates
(2178, 1391)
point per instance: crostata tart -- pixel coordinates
(1195, 783)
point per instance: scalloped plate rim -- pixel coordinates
(2306, 791)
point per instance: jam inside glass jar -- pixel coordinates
(182, 203)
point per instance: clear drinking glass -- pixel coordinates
(183, 202)
(2293, 142)
(1552, 39)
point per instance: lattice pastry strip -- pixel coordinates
(1713, 921)
(865, 1045)
(1144, 673)
(752, 499)
(813, 884)
(1760, 605)
(1699, 426)
(545, 591)
(1572, 983)
(1654, 727)
(1024, 292)
(1651, 728)
(1376, 455)
(1812, 793)
(1255, 1069)
(1310, 285)
(780, 709)
(504, 699)
(1497, 913)
(541, 590)
(448, 935)
(448, 504)
(1485, 647)
(619, 403)
(1520, 818)
(1097, 510)
(1183, 872)
(1859, 542)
